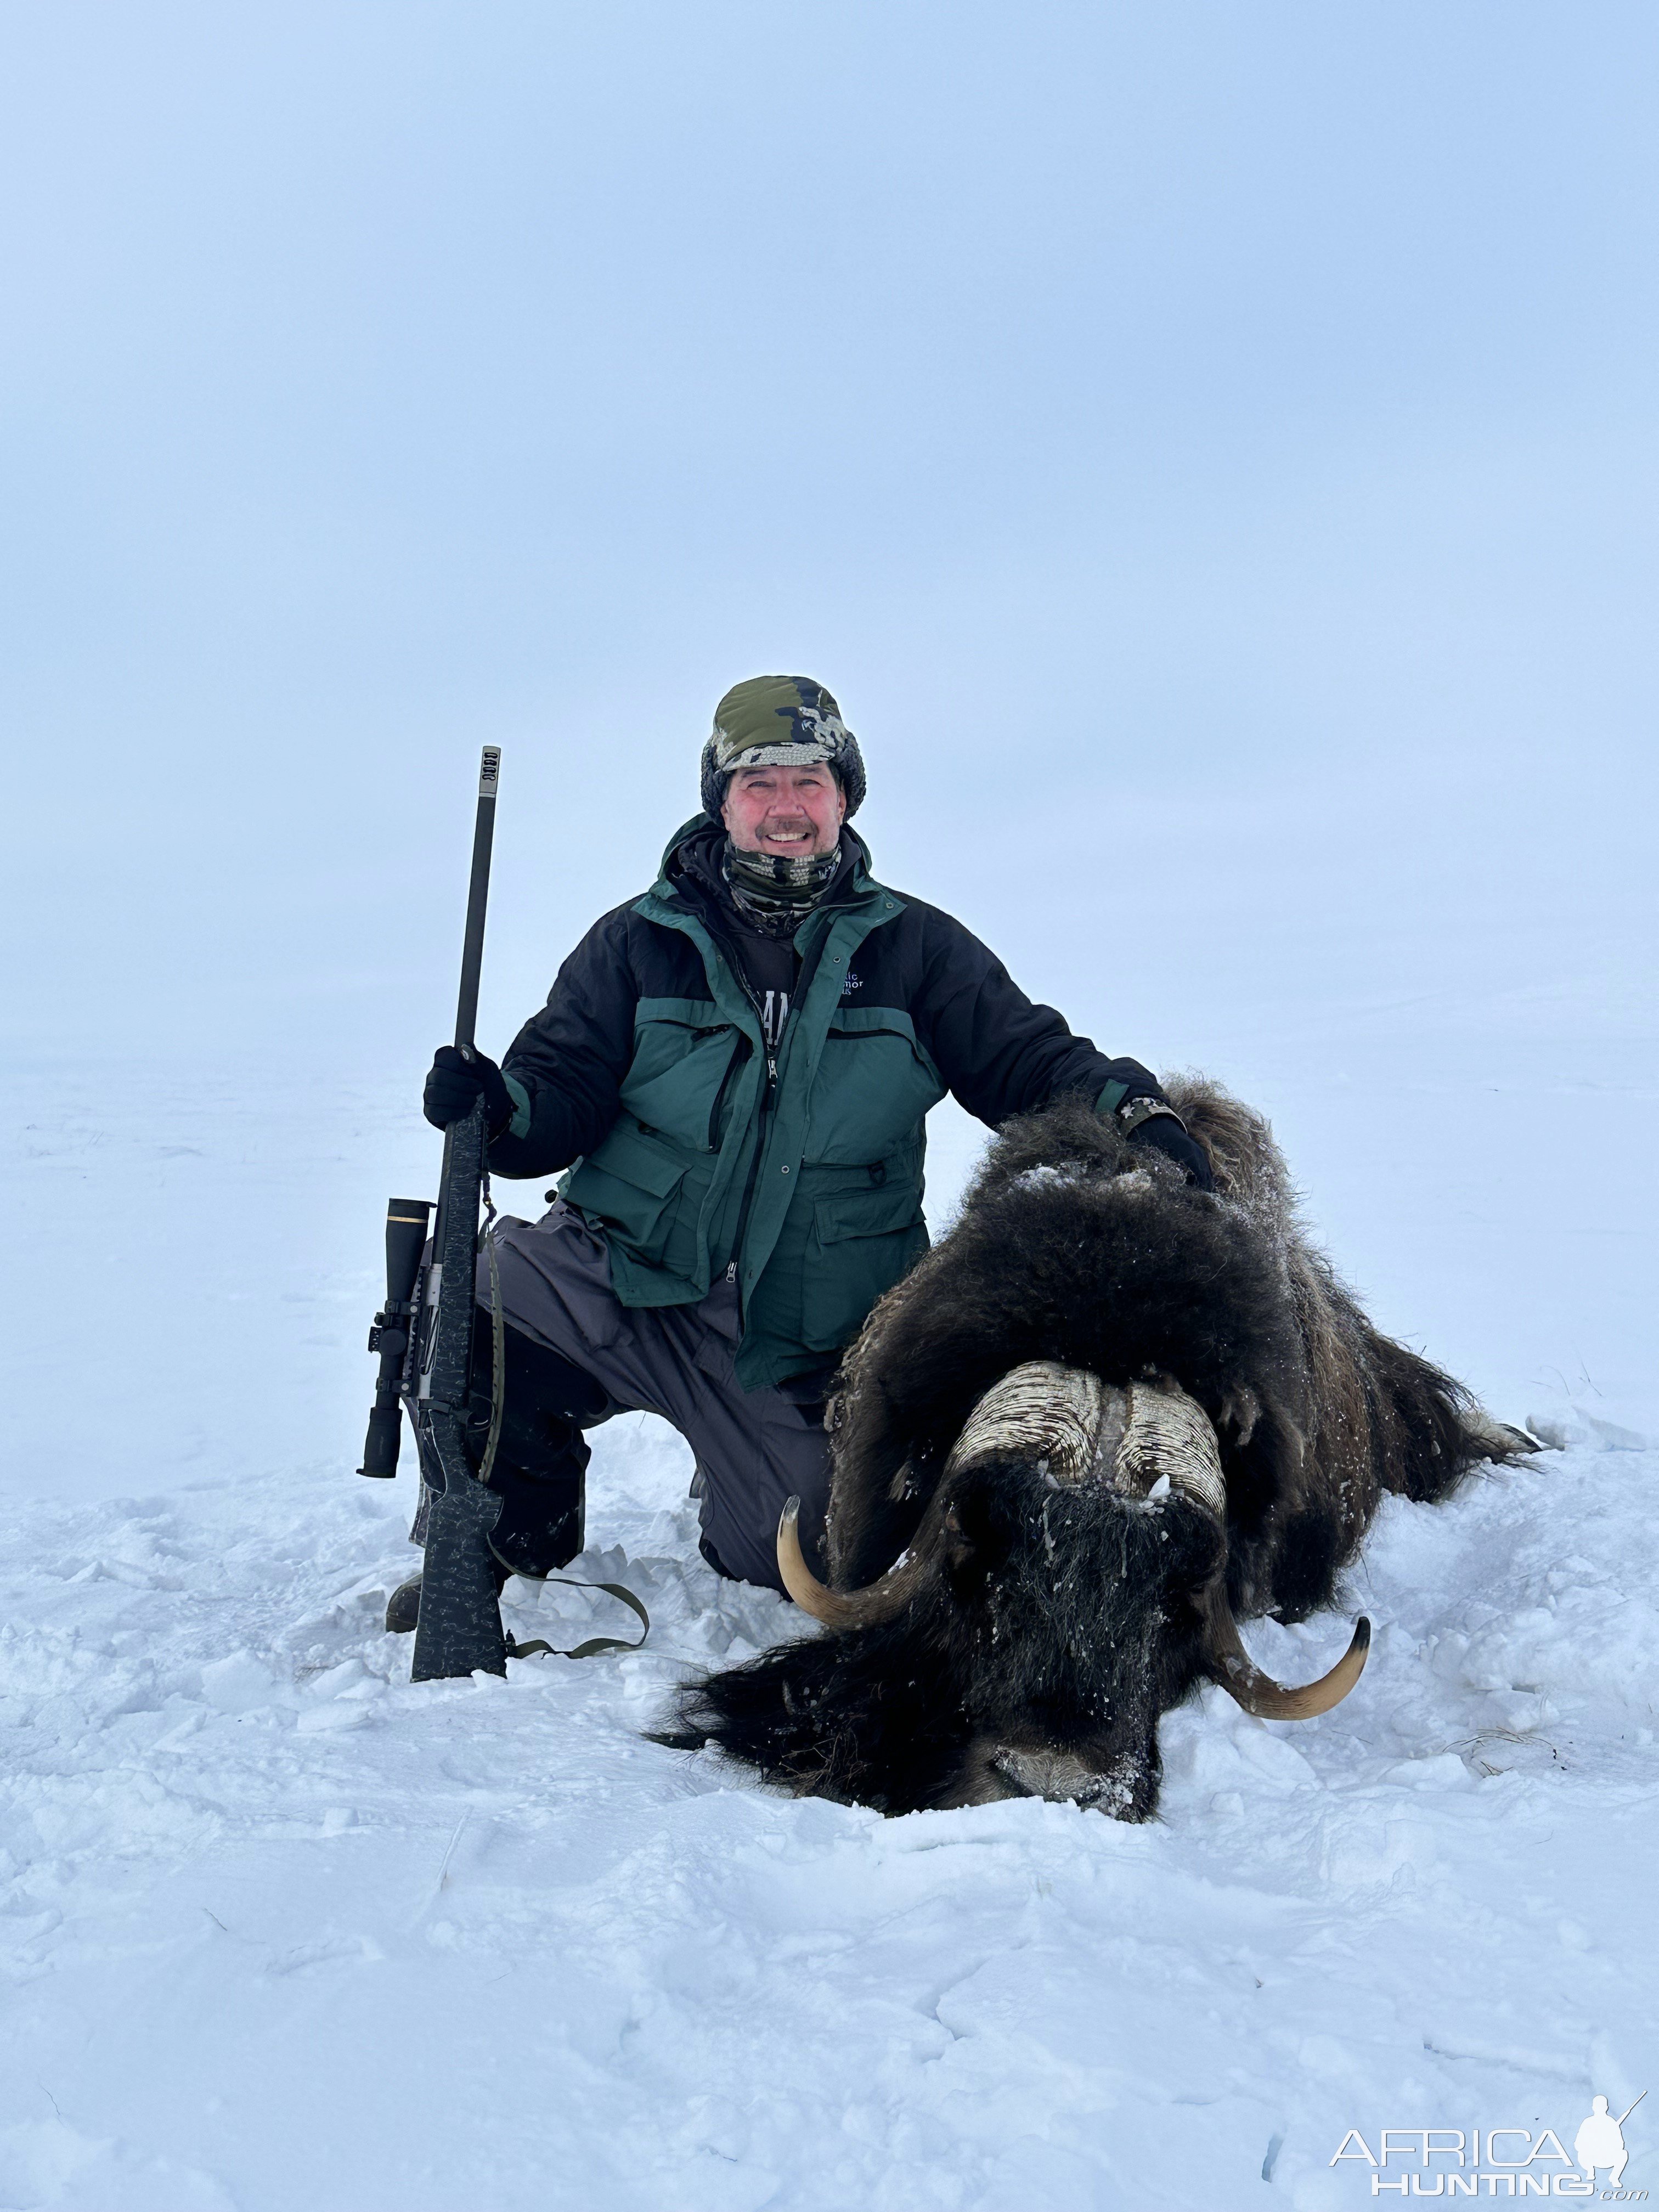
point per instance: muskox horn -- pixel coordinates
(1041, 1410)
(1232, 1667)
(1079, 1429)
(1169, 1433)
(862, 1608)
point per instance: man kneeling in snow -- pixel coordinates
(736, 1069)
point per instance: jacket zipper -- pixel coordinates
(734, 966)
(740, 1059)
(754, 1166)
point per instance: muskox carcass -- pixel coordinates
(1106, 1419)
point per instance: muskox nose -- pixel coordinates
(1122, 1787)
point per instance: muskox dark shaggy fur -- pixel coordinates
(1056, 1624)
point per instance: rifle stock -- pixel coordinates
(459, 1626)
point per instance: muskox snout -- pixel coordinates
(1122, 1784)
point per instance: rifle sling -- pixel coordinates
(594, 1644)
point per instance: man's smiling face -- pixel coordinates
(789, 813)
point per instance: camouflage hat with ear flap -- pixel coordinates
(779, 722)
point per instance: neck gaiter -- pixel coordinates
(774, 893)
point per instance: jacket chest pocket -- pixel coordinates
(874, 1084)
(861, 1242)
(685, 1065)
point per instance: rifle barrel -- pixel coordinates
(484, 836)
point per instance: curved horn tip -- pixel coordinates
(841, 1609)
(1316, 1697)
(798, 1581)
(1264, 1698)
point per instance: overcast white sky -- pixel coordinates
(1208, 448)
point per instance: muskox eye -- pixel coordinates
(975, 1537)
(1196, 1543)
(958, 1551)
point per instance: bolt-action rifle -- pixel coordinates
(424, 1338)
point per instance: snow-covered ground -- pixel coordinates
(280, 1928)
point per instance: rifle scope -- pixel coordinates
(406, 1222)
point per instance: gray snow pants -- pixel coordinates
(754, 1448)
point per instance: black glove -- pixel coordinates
(1162, 1132)
(453, 1088)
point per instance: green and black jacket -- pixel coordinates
(801, 1170)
